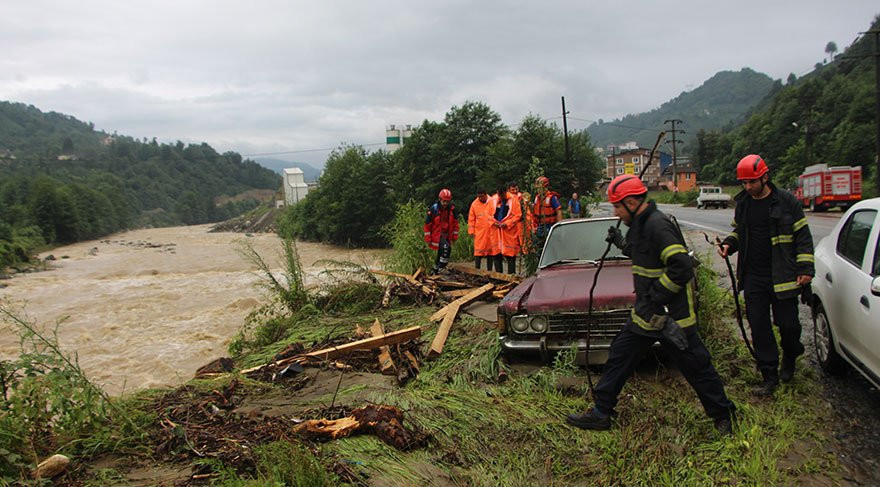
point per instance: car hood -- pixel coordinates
(567, 288)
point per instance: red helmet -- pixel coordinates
(625, 185)
(751, 166)
(445, 195)
(542, 181)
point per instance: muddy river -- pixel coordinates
(148, 307)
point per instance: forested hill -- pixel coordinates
(826, 116)
(62, 181)
(723, 99)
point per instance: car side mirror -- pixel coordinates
(875, 286)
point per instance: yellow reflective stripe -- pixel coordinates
(647, 272)
(799, 224)
(733, 223)
(735, 235)
(805, 258)
(672, 250)
(639, 321)
(781, 239)
(668, 284)
(785, 286)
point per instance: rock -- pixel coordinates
(51, 467)
(65, 256)
(50, 257)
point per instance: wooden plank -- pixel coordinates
(462, 301)
(368, 343)
(443, 332)
(417, 273)
(391, 274)
(484, 273)
(457, 293)
(457, 284)
(386, 364)
(412, 360)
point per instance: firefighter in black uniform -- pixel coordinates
(664, 310)
(775, 264)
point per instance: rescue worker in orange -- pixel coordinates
(508, 216)
(481, 225)
(441, 228)
(546, 210)
(523, 227)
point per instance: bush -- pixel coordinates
(404, 232)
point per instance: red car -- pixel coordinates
(548, 312)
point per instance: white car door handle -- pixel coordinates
(864, 301)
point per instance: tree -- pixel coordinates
(831, 49)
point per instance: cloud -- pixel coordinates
(271, 76)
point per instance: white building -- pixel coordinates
(395, 137)
(295, 187)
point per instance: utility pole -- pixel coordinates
(674, 152)
(565, 135)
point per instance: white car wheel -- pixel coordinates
(823, 338)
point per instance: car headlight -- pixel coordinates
(519, 323)
(539, 324)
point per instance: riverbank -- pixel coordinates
(146, 308)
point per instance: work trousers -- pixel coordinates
(443, 253)
(760, 299)
(499, 263)
(694, 362)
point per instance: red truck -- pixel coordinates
(821, 187)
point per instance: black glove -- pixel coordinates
(615, 237)
(675, 334)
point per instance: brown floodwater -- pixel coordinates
(148, 307)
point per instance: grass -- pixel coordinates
(485, 432)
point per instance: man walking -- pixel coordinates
(664, 310)
(775, 263)
(574, 206)
(441, 228)
(481, 225)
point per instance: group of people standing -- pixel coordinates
(504, 224)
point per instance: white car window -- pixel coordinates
(875, 269)
(853, 238)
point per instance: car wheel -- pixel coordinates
(823, 338)
(724, 205)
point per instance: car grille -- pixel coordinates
(603, 325)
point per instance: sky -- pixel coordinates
(298, 78)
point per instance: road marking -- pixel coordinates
(704, 227)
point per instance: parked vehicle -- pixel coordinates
(547, 312)
(846, 293)
(712, 196)
(821, 187)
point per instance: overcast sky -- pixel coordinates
(270, 76)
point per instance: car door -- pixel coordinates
(850, 309)
(869, 331)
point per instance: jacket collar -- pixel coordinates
(774, 194)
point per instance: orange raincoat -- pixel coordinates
(480, 224)
(510, 227)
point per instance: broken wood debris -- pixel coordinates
(462, 301)
(383, 421)
(386, 363)
(484, 273)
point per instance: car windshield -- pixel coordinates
(577, 241)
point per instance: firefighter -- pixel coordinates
(441, 228)
(775, 264)
(481, 219)
(664, 310)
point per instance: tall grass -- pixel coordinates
(48, 405)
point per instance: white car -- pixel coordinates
(846, 293)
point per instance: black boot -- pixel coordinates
(768, 385)
(786, 371)
(589, 420)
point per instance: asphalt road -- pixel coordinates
(717, 221)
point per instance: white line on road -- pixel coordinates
(704, 227)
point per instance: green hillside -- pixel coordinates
(62, 181)
(723, 99)
(826, 116)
